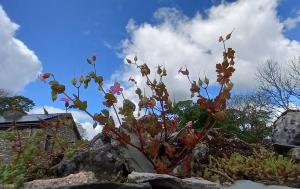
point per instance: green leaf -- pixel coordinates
(105, 112)
(81, 105)
(53, 95)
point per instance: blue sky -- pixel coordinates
(62, 34)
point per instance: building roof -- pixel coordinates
(34, 120)
(28, 118)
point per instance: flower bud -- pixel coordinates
(206, 80)
(74, 81)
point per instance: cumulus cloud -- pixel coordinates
(177, 40)
(79, 117)
(19, 65)
(291, 23)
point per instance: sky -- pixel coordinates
(57, 36)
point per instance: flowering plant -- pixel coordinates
(159, 139)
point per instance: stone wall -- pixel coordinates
(65, 134)
(7, 153)
(5, 149)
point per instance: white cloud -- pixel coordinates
(80, 117)
(291, 23)
(178, 40)
(19, 65)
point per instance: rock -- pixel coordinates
(106, 185)
(106, 160)
(200, 152)
(163, 181)
(138, 177)
(198, 183)
(247, 184)
(295, 154)
(79, 178)
(286, 129)
(136, 161)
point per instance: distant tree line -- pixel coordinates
(10, 102)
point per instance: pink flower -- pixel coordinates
(94, 57)
(189, 125)
(116, 89)
(184, 71)
(66, 100)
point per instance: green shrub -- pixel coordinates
(17, 172)
(263, 165)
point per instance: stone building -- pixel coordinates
(52, 126)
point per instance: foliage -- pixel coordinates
(79, 146)
(20, 103)
(247, 117)
(263, 165)
(250, 113)
(165, 146)
(189, 111)
(18, 172)
(30, 161)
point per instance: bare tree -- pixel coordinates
(280, 85)
(4, 93)
(294, 76)
(251, 113)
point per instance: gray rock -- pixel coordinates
(105, 159)
(199, 183)
(295, 154)
(105, 162)
(286, 129)
(106, 185)
(164, 181)
(247, 184)
(136, 161)
(200, 151)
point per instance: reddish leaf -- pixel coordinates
(155, 148)
(186, 166)
(199, 134)
(189, 141)
(43, 122)
(170, 150)
(160, 166)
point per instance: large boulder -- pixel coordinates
(106, 159)
(286, 131)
